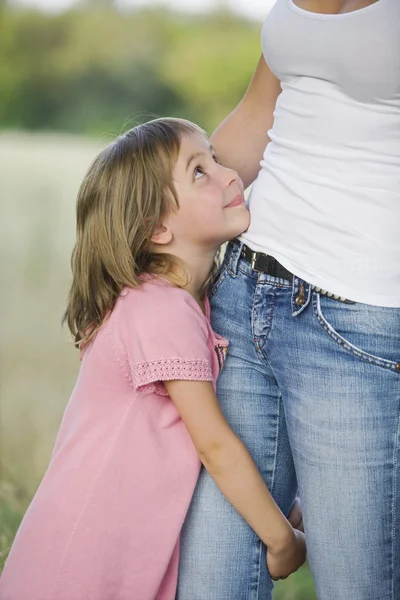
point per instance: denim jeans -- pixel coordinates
(313, 390)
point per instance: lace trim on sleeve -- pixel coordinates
(149, 376)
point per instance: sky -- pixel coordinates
(257, 9)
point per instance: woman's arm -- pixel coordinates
(229, 463)
(241, 138)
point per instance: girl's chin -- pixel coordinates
(244, 223)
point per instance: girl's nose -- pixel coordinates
(229, 176)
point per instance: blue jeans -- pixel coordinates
(313, 390)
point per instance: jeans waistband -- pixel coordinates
(267, 264)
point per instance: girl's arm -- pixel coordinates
(241, 138)
(229, 463)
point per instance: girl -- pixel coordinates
(105, 522)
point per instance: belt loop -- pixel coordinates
(235, 249)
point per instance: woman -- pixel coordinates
(309, 298)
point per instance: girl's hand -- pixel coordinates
(288, 558)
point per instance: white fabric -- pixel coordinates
(326, 203)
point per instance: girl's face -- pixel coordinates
(211, 203)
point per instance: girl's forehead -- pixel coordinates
(194, 140)
(193, 145)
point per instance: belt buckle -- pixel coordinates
(253, 260)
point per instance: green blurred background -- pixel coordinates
(69, 82)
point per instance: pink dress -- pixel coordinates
(106, 519)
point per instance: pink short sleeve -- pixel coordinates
(165, 336)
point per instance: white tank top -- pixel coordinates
(326, 203)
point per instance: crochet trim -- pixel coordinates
(149, 376)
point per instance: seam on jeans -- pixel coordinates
(348, 346)
(248, 272)
(276, 282)
(255, 592)
(259, 341)
(271, 490)
(259, 351)
(265, 360)
(394, 502)
(277, 430)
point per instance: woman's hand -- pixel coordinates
(296, 516)
(288, 558)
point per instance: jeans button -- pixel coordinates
(299, 300)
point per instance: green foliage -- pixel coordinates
(93, 70)
(13, 503)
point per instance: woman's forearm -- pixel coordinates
(240, 144)
(241, 138)
(234, 471)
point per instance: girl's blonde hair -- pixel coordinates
(124, 197)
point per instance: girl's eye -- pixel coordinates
(198, 172)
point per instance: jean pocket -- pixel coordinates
(371, 333)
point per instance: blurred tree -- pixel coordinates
(210, 63)
(89, 70)
(96, 4)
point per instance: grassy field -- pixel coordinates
(39, 177)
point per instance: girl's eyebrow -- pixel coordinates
(192, 157)
(198, 154)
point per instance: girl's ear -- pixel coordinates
(162, 235)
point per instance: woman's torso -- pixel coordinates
(327, 199)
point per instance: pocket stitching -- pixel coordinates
(348, 346)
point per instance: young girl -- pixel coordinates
(106, 519)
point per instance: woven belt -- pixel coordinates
(270, 266)
(322, 292)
